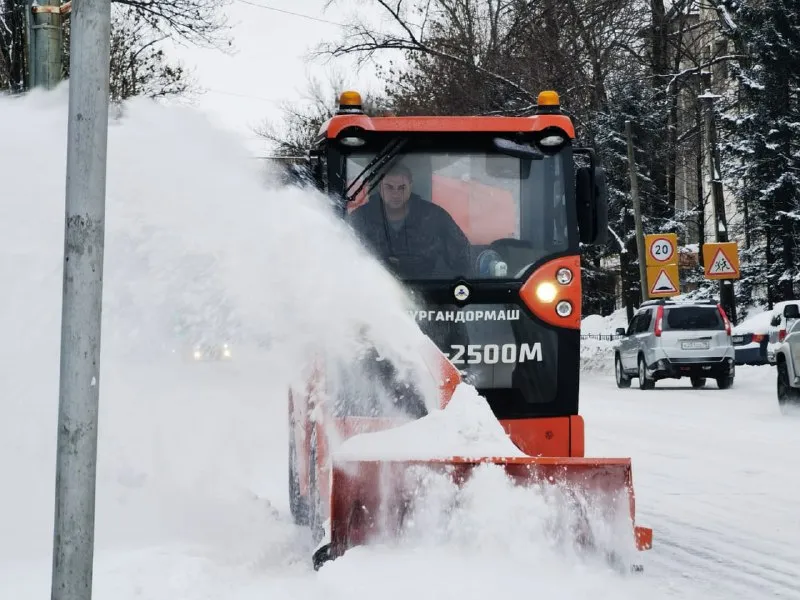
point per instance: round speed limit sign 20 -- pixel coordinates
(661, 250)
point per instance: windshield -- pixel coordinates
(693, 318)
(477, 215)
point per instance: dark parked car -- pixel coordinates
(750, 339)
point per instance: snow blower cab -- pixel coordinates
(481, 218)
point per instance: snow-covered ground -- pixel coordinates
(192, 500)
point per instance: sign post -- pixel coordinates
(721, 263)
(663, 276)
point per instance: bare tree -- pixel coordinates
(494, 56)
(142, 25)
(199, 22)
(294, 133)
(138, 63)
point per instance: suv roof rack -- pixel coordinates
(667, 301)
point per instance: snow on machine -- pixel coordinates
(481, 219)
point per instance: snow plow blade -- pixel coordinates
(371, 500)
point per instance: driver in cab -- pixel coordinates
(418, 239)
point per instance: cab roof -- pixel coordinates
(351, 115)
(338, 123)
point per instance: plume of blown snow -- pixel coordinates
(196, 247)
(193, 456)
(196, 244)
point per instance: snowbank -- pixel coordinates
(597, 354)
(597, 325)
(466, 427)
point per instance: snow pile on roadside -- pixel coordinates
(597, 354)
(466, 427)
(597, 325)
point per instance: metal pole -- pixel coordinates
(47, 68)
(726, 293)
(637, 213)
(87, 138)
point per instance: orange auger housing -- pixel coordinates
(350, 500)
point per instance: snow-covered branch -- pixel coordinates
(622, 248)
(701, 67)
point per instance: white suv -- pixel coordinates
(787, 358)
(669, 340)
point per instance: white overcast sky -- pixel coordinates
(269, 62)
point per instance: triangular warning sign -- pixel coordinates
(663, 284)
(721, 265)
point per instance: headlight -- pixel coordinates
(564, 308)
(564, 276)
(546, 292)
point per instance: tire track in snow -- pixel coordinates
(696, 456)
(724, 561)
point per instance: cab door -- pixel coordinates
(627, 345)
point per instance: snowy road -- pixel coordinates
(717, 475)
(192, 500)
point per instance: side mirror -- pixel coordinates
(620, 331)
(591, 196)
(776, 320)
(316, 167)
(791, 311)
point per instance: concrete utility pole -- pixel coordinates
(727, 297)
(45, 46)
(637, 212)
(87, 141)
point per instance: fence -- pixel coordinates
(603, 337)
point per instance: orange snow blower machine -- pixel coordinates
(481, 219)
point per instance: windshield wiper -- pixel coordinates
(373, 168)
(523, 151)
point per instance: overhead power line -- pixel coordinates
(294, 14)
(242, 95)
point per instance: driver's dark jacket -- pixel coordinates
(428, 245)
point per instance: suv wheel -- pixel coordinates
(623, 381)
(644, 382)
(725, 382)
(787, 395)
